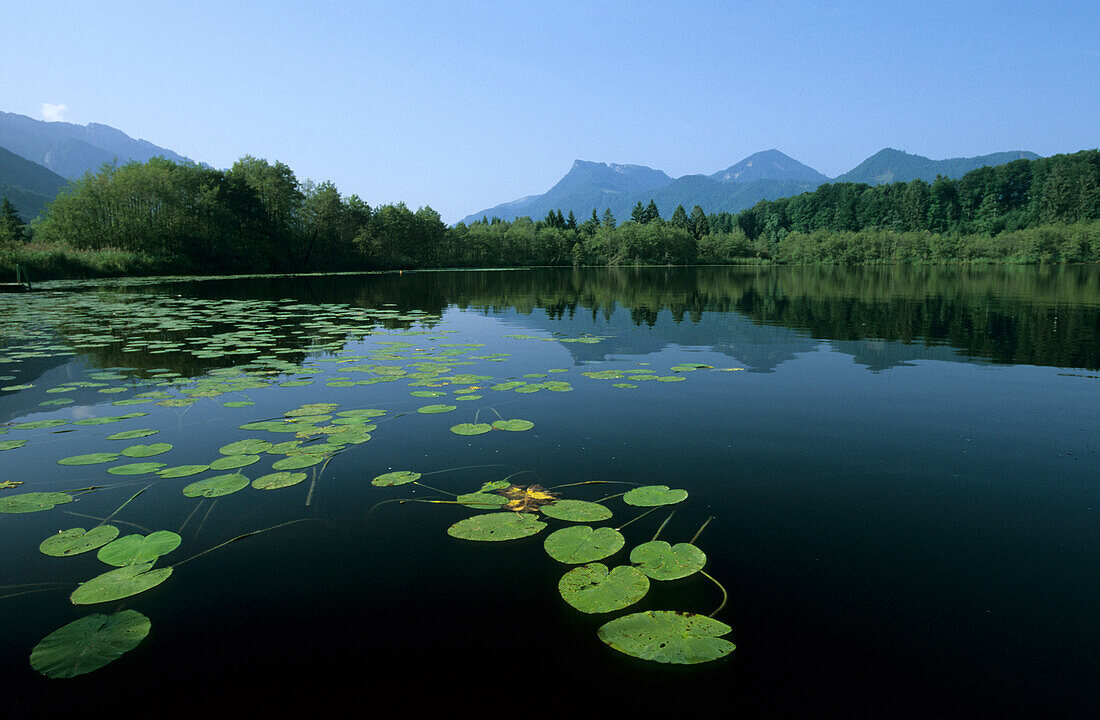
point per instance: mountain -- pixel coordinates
(889, 165)
(769, 165)
(28, 185)
(713, 196)
(587, 185)
(70, 150)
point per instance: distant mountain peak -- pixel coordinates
(890, 165)
(769, 165)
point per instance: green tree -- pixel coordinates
(608, 219)
(698, 224)
(651, 212)
(679, 218)
(638, 214)
(12, 228)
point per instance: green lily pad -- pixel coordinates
(120, 583)
(297, 462)
(136, 549)
(662, 561)
(496, 526)
(482, 500)
(671, 378)
(427, 393)
(76, 540)
(592, 589)
(140, 451)
(216, 486)
(397, 477)
(238, 403)
(11, 444)
(231, 462)
(667, 636)
(514, 425)
(581, 544)
(245, 447)
(471, 428)
(274, 481)
(433, 409)
(182, 471)
(33, 501)
(132, 434)
(654, 496)
(89, 643)
(576, 511)
(89, 459)
(136, 468)
(39, 424)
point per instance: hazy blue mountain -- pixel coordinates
(70, 150)
(889, 165)
(587, 185)
(770, 165)
(28, 185)
(765, 175)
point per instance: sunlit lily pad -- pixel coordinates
(581, 544)
(513, 425)
(245, 447)
(666, 636)
(76, 540)
(432, 409)
(471, 428)
(11, 444)
(182, 471)
(662, 561)
(33, 501)
(297, 462)
(482, 500)
(140, 451)
(230, 462)
(592, 589)
(576, 511)
(132, 434)
(137, 549)
(136, 468)
(276, 480)
(89, 643)
(120, 583)
(216, 486)
(397, 477)
(89, 459)
(427, 393)
(654, 496)
(496, 526)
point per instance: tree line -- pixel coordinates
(258, 217)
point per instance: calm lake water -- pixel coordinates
(901, 466)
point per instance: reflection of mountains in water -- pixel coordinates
(756, 347)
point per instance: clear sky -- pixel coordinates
(464, 105)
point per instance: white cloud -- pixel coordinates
(53, 112)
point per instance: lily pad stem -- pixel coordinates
(700, 532)
(637, 518)
(725, 595)
(203, 521)
(240, 537)
(96, 517)
(188, 518)
(464, 467)
(658, 533)
(593, 482)
(611, 497)
(116, 512)
(429, 487)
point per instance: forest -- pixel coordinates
(257, 217)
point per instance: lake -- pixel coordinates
(899, 467)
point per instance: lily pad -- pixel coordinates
(576, 511)
(216, 486)
(137, 549)
(11, 444)
(76, 540)
(482, 500)
(245, 447)
(231, 462)
(132, 434)
(182, 471)
(140, 451)
(89, 459)
(667, 636)
(496, 526)
(33, 501)
(397, 477)
(136, 468)
(581, 544)
(471, 428)
(120, 583)
(654, 496)
(514, 425)
(89, 643)
(592, 589)
(274, 481)
(662, 561)
(297, 462)
(433, 409)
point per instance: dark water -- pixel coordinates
(903, 483)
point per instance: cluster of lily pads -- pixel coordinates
(517, 512)
(104, 325)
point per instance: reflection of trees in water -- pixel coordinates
(1047, 315)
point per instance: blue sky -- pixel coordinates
(464, 105)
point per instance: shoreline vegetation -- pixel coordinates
(162, 217)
